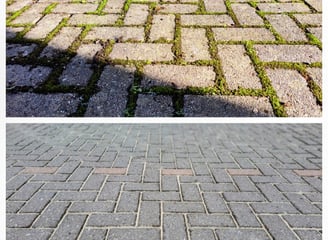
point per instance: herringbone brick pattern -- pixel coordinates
(91, 181)
(145, 58)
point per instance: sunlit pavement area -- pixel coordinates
(175, 58)
(168, 181)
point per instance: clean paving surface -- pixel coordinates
(169, 181)
(156, 58)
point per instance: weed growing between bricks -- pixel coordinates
(188, 18)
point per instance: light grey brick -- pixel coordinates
(183, 207)
(190, 192)
(95, 234)
(239, 234)
(202, 234)
(38, 202)
(110, 191)
(20, 220)
(94, 207)
(214, 203)
(243, 196)
(28, 234)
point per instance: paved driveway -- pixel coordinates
(192, 181)
(115, 58)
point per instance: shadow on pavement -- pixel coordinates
(42, 81)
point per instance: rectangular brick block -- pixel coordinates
(75, 8)
(38, 202)
(110, 191)
(174, 226)
(214, 202)
(244, 215)
(114, 6)
(215, 6)
(205, 220)
(206, 20)
(178, 8)
(294, 92)
(246, 15)
(149, 214)
(283, 7)
(194, 44)
(190, 192)
(136, 15)
(244, 172)
(243, 196)
(111, 219)
(45, 26)
(286, 27)
(163, 27)
(93, 19)
(243, 34)
(277, 227)
(178, 76)
(142, 51)
(128, 202)
(138, 234)
(179, 172)
(161, 196)
(288, 53)
(70, 227)
(237, 67)
(116, 33)
(94, 207)
(110, 171)
(38, 170)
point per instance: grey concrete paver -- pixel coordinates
(214, 196)
(78, 41)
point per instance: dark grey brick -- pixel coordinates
(271, 192)
(141, 187)
(68, 167)
(190, 192)
(13, 207)
(94, 182)
(217, 187)
(26, 192)
(161, 196)
(51, 216)
(281, 207)
(244, 184)
(134, 233)
(241, 234)
(23, 220)
(214, 203)
(170, 183)
(205, 220)
(268, 179)
(110, 191)
(183, 207)
(75, 196)
(38, 202)
(28, 234)
(277, 227)
(122, 178)
(243, 196)
(70, 227)
(221, 176)
(94, 234)
(309, 234)
(174, 227)
(196, 179)
(135, 168)
(295, 187)
(302, 203)
(196, 234)
(17, 181)
(149, 214)
(111, 219)
(92, 207)
(244, 215)
(80, 174)
(128, 202)
(69, 186)
(304, 221)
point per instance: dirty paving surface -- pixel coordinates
(84, 181)
(146, 58)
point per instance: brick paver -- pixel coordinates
(176, 181)
(196, 49)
